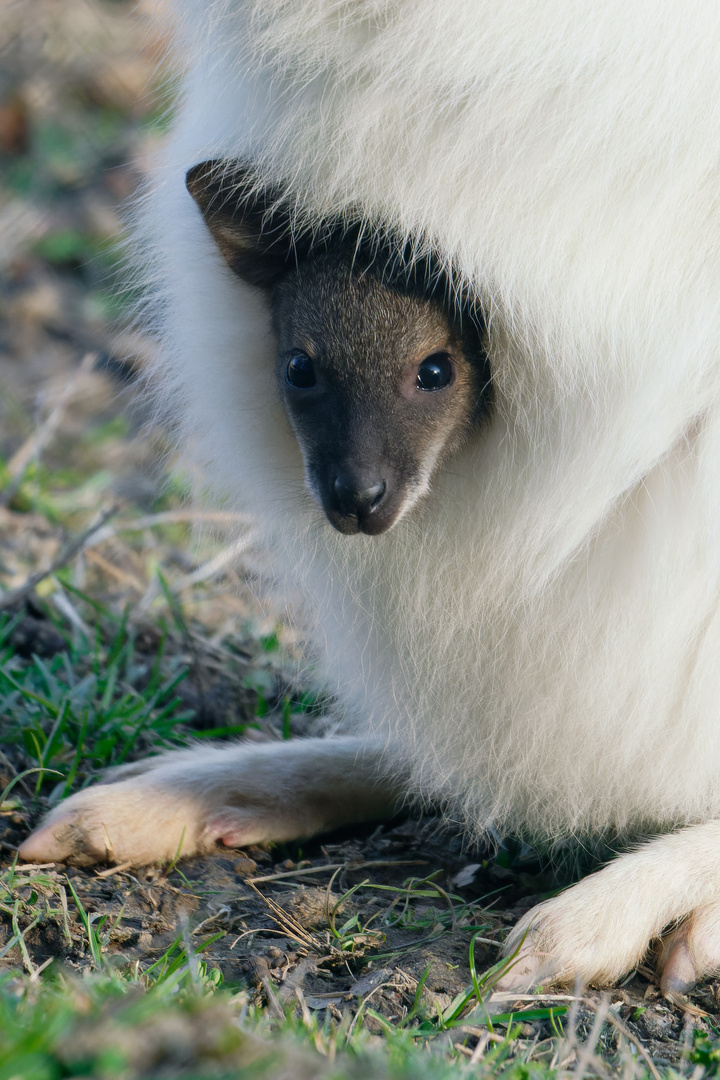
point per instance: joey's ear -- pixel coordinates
(250, 225)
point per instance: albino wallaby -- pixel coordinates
(523, 616)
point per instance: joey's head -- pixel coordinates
(380, 380)
(380, 385)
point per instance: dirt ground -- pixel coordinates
(329, 924)
(299, 927)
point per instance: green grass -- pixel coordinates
(123, 1023)
(109, 1025)
(80, 711)
(177, 1020)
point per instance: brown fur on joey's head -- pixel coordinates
(380, 379)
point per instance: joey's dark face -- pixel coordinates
(380, 385)
(380, 382)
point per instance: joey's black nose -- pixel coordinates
(356, 498)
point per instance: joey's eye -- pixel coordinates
(435, 372)
(300, 371)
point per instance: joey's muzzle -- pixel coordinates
(360, 500)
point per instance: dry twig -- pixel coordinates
(33, 447)
(13, 596)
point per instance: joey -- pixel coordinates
(381, 376)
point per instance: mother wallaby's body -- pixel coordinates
(538, 641)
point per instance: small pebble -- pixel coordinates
(245, 867)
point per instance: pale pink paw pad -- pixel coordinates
(236, 827)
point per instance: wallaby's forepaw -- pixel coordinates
(188, 801)
(129, 821)
(95, 826)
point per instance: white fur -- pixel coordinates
(539, 639)
(541, 633)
